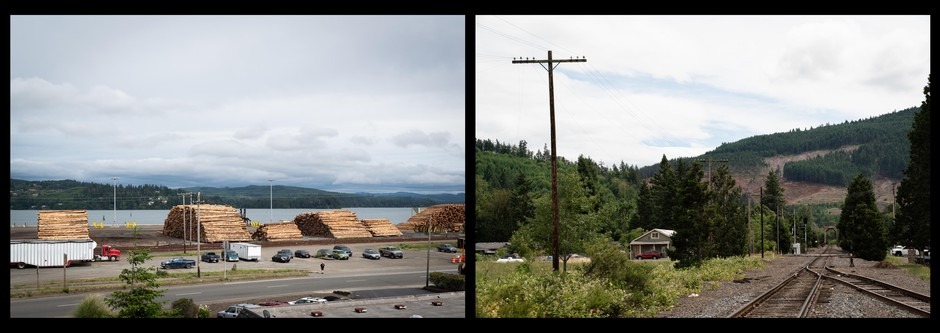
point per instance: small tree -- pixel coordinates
(139, 298)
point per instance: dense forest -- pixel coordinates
(70, 194)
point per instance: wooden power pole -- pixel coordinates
(551, 107)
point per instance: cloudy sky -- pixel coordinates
(338, 103)
(682, 85)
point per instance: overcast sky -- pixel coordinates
(338, 103)
(682, 85)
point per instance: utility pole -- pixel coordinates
(198, 235)
(777, 222)
(551, 106)
(114, 185)
(183, 195)
(761, 205)
(271, 187)
(709, 163)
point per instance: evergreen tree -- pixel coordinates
(645, 209)
(690, 241)
(861, 226)
(912, 227)
(727, 215)
(522, 207)
(773, 193)
(664, 195)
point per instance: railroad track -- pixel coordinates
(792, 298)
(796, 296)
(911, 301)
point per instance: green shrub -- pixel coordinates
(447, 281)
(92, 306)
(184, 308)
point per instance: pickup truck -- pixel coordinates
(391, 252)
(236, 310)
(179, 262)
(210, 257)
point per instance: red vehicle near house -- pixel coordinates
(650, 254)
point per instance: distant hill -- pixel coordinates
(817, 163)
(70, 194)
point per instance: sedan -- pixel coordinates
(282, 256)
(302, 254)
(306, 300)
(323, 253)
(650, 254)
(371, 254)
(446, 248)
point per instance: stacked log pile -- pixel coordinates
(277, 231)
(63, 224)
(447, 217)
(332, 224)
(381, 227)
(217, 223)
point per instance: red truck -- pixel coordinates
(108, 252)
(58, 253)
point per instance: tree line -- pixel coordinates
(71, 194)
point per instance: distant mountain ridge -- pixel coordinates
(70, 194)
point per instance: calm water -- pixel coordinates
(396, 215)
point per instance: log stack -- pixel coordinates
(331, 224)
(447, 217)
(218, 223)
(381, 227)
(63, 224)
(278, 231)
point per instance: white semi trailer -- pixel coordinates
(51, 253)
(247, 251)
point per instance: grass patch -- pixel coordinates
(165, 278)
(629, 290)
(920, 271)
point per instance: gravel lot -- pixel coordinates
(728, 296)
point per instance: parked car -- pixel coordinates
(510, 258)
(650, 254)
(899, 250)
(234, 310)
(371, 254)
(391, 252)
(288, 251)
(340, 255)
(210, 257)
(323, 253)
(282, 256)
(178, 262)
(230, 255)
(302, 254)
(446, 247)
(344, 248)
(305, 300)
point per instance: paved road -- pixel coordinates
(373, 278)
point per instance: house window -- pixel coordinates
(654, 235)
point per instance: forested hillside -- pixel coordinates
(882, 150)
(70, 194)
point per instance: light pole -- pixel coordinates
(114, 185)
(427, 275)
(198, 235)
(271, 183)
